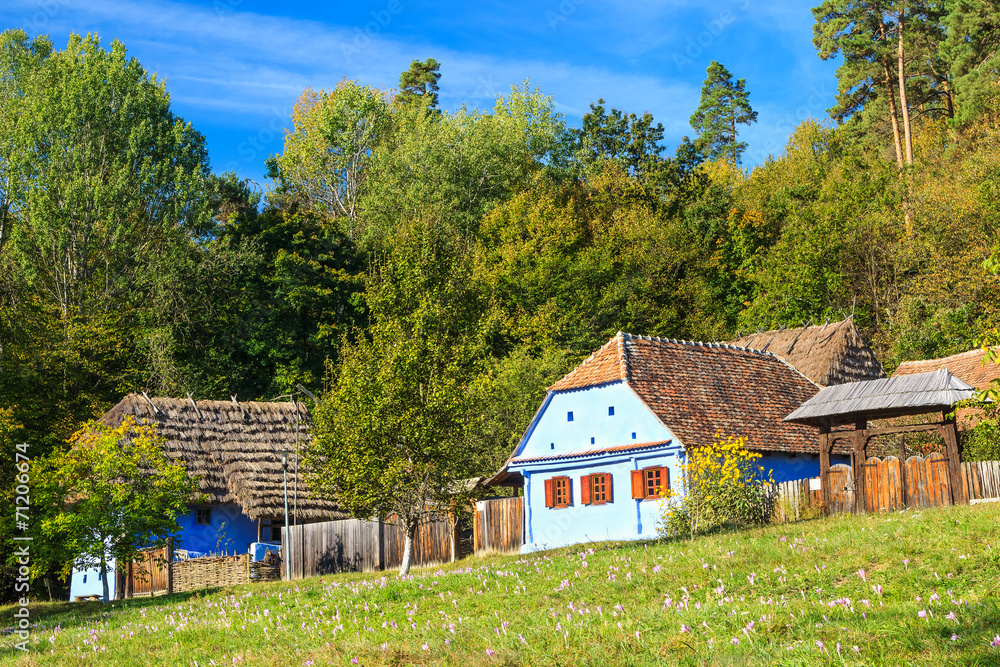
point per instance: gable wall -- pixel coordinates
(554, 434)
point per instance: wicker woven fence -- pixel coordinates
(210, 571)
(152, 574)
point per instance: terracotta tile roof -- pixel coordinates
(608, 364)
(698, 390)
(828, 354)
(967, 366)
(590, 452)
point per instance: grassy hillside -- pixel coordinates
(920, 588)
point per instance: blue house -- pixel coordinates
(614, 430)
(232, 447)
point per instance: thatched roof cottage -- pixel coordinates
(828, 354)
(232, 445)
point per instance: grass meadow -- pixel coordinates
(907, 588)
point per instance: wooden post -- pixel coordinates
(381, 544)
(170, 566)
(824, 468)
(904, 493)
(260, 529)
(950, 432)
(860, 441)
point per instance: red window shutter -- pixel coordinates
(607, 482)
(638, 485)
(569, 490)
(549, 500)
(585, 489)
(666, 477)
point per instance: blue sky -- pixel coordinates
(235, 67)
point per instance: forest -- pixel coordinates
(436, 270)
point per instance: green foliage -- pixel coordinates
(973, 35)
(724, 105)
(391, 434)
(420, 84)
(326, 156)
(113, 493)
(721, 485)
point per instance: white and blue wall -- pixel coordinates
(86, 583)
(569, 424)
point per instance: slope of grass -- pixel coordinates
(916, 588)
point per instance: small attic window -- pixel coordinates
(84, 578)
(552, 445)
(633, 435)
(569, 416)
(611, 411)
(591, 441)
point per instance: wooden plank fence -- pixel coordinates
(889, 485)
(498, 525)
(352, 545)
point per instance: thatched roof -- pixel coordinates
(231, 445)
(832, 353)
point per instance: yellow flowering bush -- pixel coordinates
(722, 484)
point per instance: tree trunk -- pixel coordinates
(48, 586)
(404, 567)
(104, 577)
(893, 117)
(905, 108)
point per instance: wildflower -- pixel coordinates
(996, 641)
(922, 613)
(734, 641)
(490, 652)
(951, 616)
(861, 573)
(954, 637)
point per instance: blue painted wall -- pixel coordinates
(787, 467)
(553, 433)
(621, 519)
(230, 530)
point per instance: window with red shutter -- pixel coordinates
(549, 498)
(638, 490)
(585, 489)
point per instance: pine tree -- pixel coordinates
(420, 83)
(724, 105)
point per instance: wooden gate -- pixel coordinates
(149, 574)
(927, 481)
(841, 489)
(498, 525)
(883, 484)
